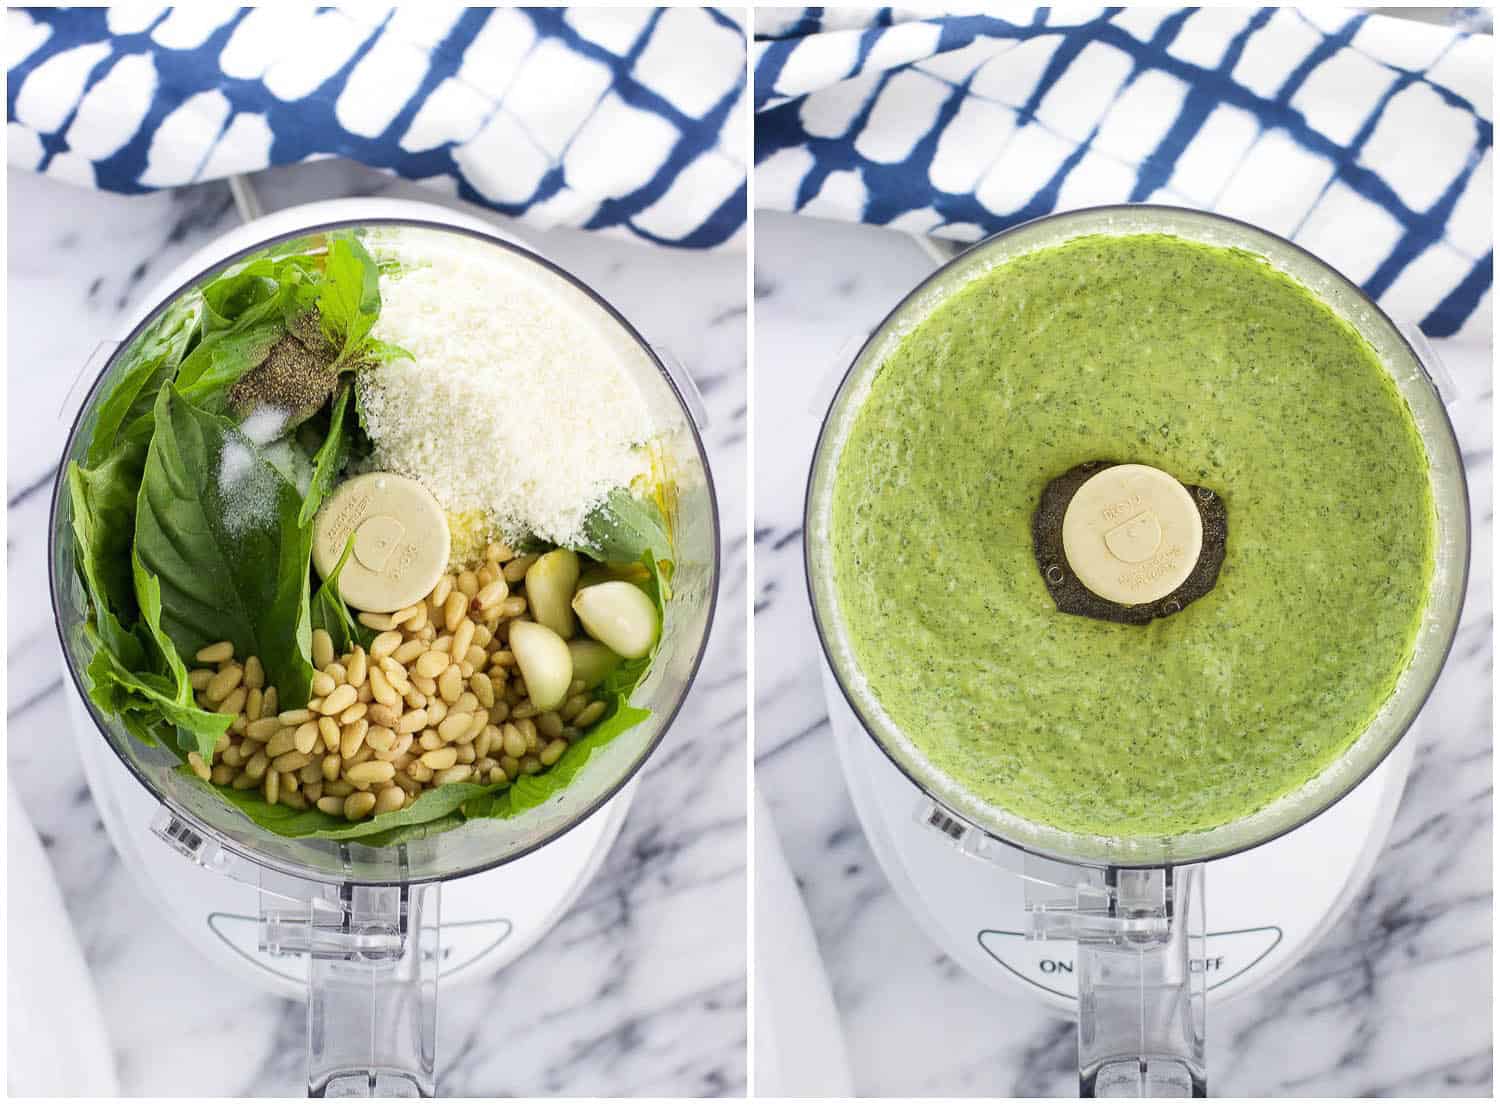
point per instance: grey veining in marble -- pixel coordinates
(1395, 999)
(609, 1004)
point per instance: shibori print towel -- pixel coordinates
(1364, 138)
(623, 120)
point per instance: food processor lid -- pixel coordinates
(1413, 381)
(346, 859)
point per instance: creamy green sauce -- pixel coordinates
(1203, 362)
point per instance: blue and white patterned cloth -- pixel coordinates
(624, 120)
(1364, 138)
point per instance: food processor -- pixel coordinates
(1117, 930)
(366, 934)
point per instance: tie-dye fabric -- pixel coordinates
(624, 120)
(1364, 138)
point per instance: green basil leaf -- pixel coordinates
(150, 361)
(235, 568)
(349, 299)
(121, 692)
(103, 508)
(329, 459)
(623, 528)
(331, 614)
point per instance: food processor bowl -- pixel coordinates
(1070, 875)
(320, 893)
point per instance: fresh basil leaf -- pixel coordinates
(150, 361)
(623, 528)
(224, 357)
(103, 508)
(349, 298)
(330, 613)
(119, 691)
(232, 567)
(375, 352)
(329, 459)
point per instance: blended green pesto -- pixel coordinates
(1205, 363)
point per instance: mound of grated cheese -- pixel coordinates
(514, 405)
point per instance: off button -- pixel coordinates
(401, 541)
(1132, 534)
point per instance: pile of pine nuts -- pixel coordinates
(437, 699)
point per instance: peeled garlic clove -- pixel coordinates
(549, 586)
(545, 663)
(619, 615)
(592, 662)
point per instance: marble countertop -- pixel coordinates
(607, 1005)
(1396, 998)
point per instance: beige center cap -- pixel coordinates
(1132, 534)
(401, 541)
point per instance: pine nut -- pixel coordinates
(524, 710)
(222, 775)
(315, 706)
(358, 806)
(215, 653)
(384, 644)
(440, 759)
(271, 787)
(340, 700)
(244, 781)
(257, 765)
(353, 738)
(463, 637)
(510, 765)
(338, 788)
(255, 673)
(456, 774)
(407, 783)
(498, 550)
(369, 773)
(382, 714)
(441, 592)
(451, 684)
(331, 766)
(378, 622)
(492, 594)
(405, 614)
(485, 741)
(420, 772)
(328, 729)
(338, 671)
(407, 653)
(499, 712)
(291, 761)
(436, 712)
(284, 740)
(380, 688)
(353, 713)
(454, 726)
(483, 689)
(234, 703)
(200, 769)
(465, 753)
(552, 752)
(254, 703)
(530, 765)
(418, 622)
(268, 703)
(221, 744)
(426, 686)
(516, 570)
(390, 799)
(429, 740)
(431, 664)
(331, 805)
(322, 648)
(454, 610)
(198, 678)
(294, 717)
(513, 741)
(312, 772)
(233, 756)
(322, 683)
(550, 724)
(223, 682)
(380, 738)
(397, 751)
(411, 722)
(359, 666)
(590, 714)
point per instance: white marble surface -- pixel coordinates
(609, 1004)
(1396, 999)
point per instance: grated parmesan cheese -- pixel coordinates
(516, 405)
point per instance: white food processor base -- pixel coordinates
(488, 920)
(1265, 907)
